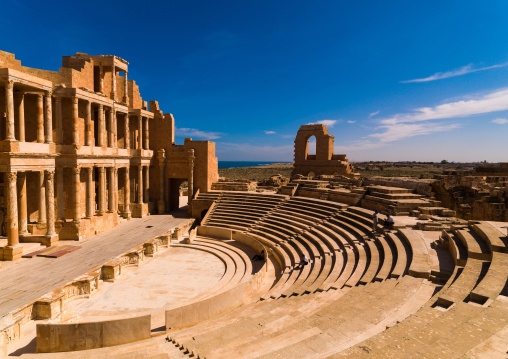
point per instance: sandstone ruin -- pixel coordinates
(433, 285)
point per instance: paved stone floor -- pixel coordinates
(26, 280)
(172, 276)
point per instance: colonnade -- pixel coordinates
(107, 129)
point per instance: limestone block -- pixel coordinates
(177, 234)
(415, 213)
(424, 216)
(12, 253)
(110, 270)
(447, 213)
(151, 247)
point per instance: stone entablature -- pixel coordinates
(82, 143)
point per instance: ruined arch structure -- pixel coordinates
(324, 162)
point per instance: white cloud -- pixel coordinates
(453, 73)
(349, 121)
(491, 102)
(400, 131)
(270, 132)
(192, 132)
(374, 113)
(240, 151)
(500, 121)
(328, 123)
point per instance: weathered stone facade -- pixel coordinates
(80, 151)
(324, 162)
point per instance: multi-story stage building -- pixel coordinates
(81, 151)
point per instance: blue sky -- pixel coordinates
(394, 80)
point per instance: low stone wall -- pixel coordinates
(53, 338)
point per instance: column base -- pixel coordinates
(51, 240)
(12, 253)
(127, 215)
(139, 210)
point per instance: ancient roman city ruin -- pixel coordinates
(99, 262)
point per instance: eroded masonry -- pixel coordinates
(81, 151)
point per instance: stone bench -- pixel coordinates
(420, 266)
(402, 255)
(496, 241)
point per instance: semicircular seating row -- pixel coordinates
(356, 286)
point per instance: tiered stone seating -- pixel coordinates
(393, 199)
(240, 210)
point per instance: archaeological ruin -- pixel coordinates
(104, 261)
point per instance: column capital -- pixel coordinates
(10, 84)
(75, 100)
(12, 176)
(40, 96)
(89, 169)
(50, 174)
(101, 169)
(48, 92)
(76, 170)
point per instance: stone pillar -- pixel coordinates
(114, 129)
(111, 190)
(125, 88)
(127, 195)
(59, 120)
(115, 183)
(102, 192)
(190, 189)
(90, 195)
(101, 127)
(50, 203)
(146, 183)
(113, 83)
(60, 193)
(77, 194)
(49, 119)
(9, 109)
(75, 128)
(42, 199)
(40, 118)
(140, 132)
(161, 158)
(127, 134)
(146, 143)
(111, 134)
(23, 211)
(101, 79)
(88, 124)
(140, 184)
(12, 210)
(21, 116)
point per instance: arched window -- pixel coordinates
(310, 152)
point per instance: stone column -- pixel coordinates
(75, 127)
(146, 182)
(88, 124)
(111, 190)
(42, 199)
(9, 109)
(12, 210)
(115, 183)
(113, 83)
(59, 121)
(127, 195)
(102, 192)
(23, 211)
(90, 193)
(50, 203)
(161, 158)
(127, 134)
(147, 136)
(40, 118)
(101, 127)
(49, 119)
(77, 194)
(114, 129)
(111, 134)
(190, 189)
(101, 79)
(140, 132)
(21, 116)
(140, 184)
(125, 88)
(60, 193)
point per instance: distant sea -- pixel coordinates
(236, 164)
